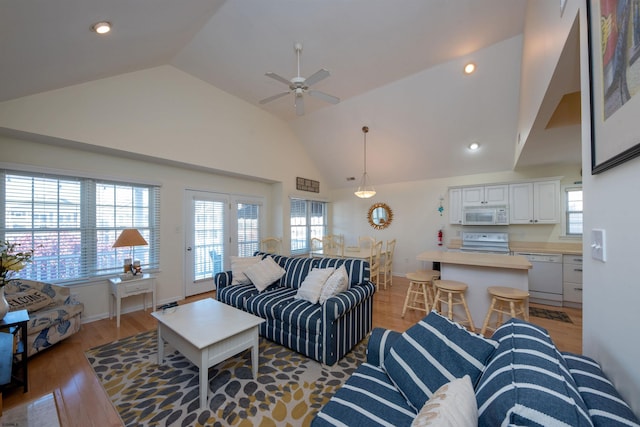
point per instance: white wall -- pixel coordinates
(611, 290)
(165, 117)
(167, 114)
(173, 181)
(544, 35)
(416, 219)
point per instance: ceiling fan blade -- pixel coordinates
(278, 78)
(317, 76)
(273, 98)
(300, 105)
(324, 96)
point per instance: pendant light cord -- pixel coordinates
(365, 129)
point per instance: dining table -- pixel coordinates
(349, 252)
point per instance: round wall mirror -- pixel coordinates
(380, 216)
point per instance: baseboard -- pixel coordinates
(137, 307)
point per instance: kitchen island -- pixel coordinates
(479, 271)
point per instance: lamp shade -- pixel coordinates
(130, 237)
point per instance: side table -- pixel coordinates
(15, 323)
(125, 288)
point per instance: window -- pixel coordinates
(71, 224)
(308, 220)
(208, 238)
(248, 229)
(573, 211)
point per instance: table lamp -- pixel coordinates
(129, 237)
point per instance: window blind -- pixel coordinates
(71, 223)
(248, 228)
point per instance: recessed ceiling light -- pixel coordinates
(469, 68)
(474, 146)
(102, 27)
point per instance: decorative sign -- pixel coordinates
(305, 184)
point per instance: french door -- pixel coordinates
(218, 226)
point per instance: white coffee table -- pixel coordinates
(208, 332)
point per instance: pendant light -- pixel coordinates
(365, 190)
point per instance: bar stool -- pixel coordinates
(504, 300)
(452, 292)
(420, 293)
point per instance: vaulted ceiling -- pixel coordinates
(395, 65)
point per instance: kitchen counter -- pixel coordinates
(470, 258)
(569, 248)
(480, 271)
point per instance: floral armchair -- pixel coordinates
(53, 313)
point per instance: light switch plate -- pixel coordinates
(598, 245)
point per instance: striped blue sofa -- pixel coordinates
(323, 332)
(525, 381)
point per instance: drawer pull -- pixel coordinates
(577, 289)
(577, 269)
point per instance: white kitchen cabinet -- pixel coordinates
(534, 202)
(485, 195)
(455, 206)
(572, 280)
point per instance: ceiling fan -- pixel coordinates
(299, 86)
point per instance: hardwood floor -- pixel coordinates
(64, 370)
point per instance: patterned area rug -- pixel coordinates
(290, 388)
(550, 314)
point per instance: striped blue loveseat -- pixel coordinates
(323, 332)
(524, 380)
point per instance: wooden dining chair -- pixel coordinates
(374, 263)
(329, 246)
(387, 263)
(317, 247)
(271, 245)
(339, 242)
(366, 242)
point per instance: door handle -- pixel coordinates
(188, 248)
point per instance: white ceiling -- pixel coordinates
(395, 65)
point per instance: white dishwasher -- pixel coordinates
(545, 278)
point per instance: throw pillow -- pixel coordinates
(238, 267)
(312, 285)
(31, 299)
(264, 273)
(434, 352)
(452, 405)
(336, 283)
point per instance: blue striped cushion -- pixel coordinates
(302, 315)
(268, 304)
(604, 403)
(357, 269)
(236, 295)
(368, 398)
(432, 353)
(379, 345)
(297, 269)
(527, 382)
(280, 259)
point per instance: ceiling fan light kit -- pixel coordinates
(365, 190)
(298, 86)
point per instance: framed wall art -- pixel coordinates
(614, 56)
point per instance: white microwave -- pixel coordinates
(485, 215)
